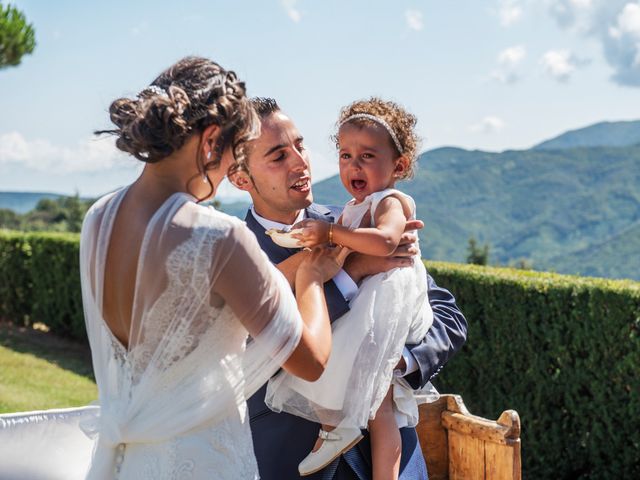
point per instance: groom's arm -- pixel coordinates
(443, 340)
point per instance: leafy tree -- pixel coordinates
(17, 37)
(75, 210)
(476, 254)
(63, 214)
(9, 219)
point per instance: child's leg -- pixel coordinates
(386, 444)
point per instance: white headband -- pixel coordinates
(380, 122)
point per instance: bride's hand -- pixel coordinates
(324, 262)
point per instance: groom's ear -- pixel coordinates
(241, 180)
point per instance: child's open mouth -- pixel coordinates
(358, 184)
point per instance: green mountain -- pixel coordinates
(22, 202)
(604, 134)
(595, 260)
(572, 210)
(238, 208)
(565, 208)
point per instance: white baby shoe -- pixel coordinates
(335, 443)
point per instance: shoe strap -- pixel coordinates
(323, 434)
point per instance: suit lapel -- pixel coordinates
(318, 212)
(276, 253)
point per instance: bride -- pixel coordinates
(185, 315)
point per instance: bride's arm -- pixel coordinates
(247, 282)
(289, 266)
(310, 357)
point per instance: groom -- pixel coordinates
(277, 176)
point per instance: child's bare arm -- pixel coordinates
(381, 240)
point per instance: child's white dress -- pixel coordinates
(390, 310)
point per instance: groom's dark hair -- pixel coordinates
(264, 106)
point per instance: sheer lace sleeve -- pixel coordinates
(261, 299)
(248, 282)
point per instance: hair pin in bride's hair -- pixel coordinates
(153, 90)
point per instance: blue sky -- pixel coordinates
(493, 75)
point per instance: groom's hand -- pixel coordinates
(359, 265)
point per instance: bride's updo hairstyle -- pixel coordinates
(186, 98)
(400, 122)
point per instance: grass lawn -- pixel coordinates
(40, 371)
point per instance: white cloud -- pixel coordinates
(561, 64)
(489, 124)
(572, 13)
(91, 155)
(557, 63)
(627, 22)
(512, 56)
(290, 7)
(510, 11)
(414, 19)
(615, 23)
(508, 61)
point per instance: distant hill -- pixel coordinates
(568, 210)
(565, 208)
(595, 260)
(238, 209)
(22, 202)
(604, 134)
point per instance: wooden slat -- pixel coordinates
(466, 457)
(433, 439)
(502, 462)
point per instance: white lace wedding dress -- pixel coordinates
(172, 403)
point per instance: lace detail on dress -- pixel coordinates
(185, 280)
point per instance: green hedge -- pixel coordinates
(40, 281)
(563, 351)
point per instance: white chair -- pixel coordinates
(45, 445)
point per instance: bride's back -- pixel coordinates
(121, 264)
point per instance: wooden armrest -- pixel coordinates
(459, 445)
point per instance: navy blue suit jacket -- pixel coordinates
(282, 440)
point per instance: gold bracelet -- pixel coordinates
(331, 234)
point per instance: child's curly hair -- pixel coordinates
(402, 122)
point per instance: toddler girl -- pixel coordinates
(377, 147)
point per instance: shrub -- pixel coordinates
(40, 281)
(563, 351)
(55, 282)
(15, 277)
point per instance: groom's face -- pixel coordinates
(280, 178)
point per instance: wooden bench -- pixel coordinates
(458, 445)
